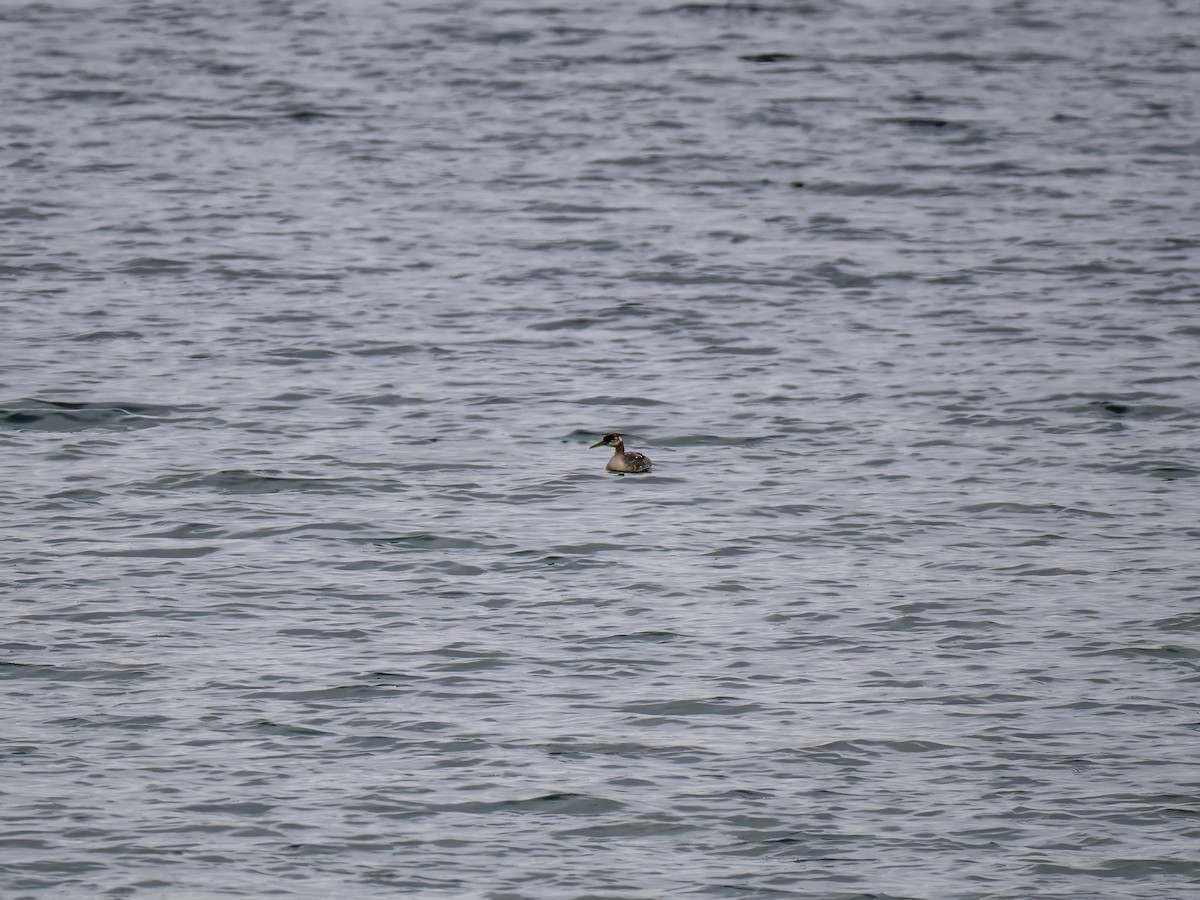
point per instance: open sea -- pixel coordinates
(310, 586)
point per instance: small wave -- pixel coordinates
(58, 415)
(242, 481)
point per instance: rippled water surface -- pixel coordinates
(313, 588)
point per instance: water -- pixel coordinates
(312, 587)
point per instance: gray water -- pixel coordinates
(312, 588)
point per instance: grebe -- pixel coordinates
(621, 461)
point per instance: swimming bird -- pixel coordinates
(622, 461)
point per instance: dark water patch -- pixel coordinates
(718, 275)
(732, 350)
(335, 694)
(382, 348)
(574, 209)
(1002, 509)
(59, 415)
(555, 804)
(336, 530)
(261, 274)
(384, 400)
(1134, 869)
(91, 336)
(1167, 653)
(18, 213)
(1160, 469)
(292, 355)
(242, 481)
(79, 495)
(1131, 405)
(652, 637)
(153, 552)
(767, 57)
(883, 189)
(100, 671)
(620, 401)
(1183, 623)
(569, 246)
(716, 706)
(421, 540)
(153, 266)
(738, 9)
(188, 530)
(925, 123)
(574, 323)
(40, 268)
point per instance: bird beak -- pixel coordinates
(599, 443)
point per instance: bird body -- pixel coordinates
(622, 460)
